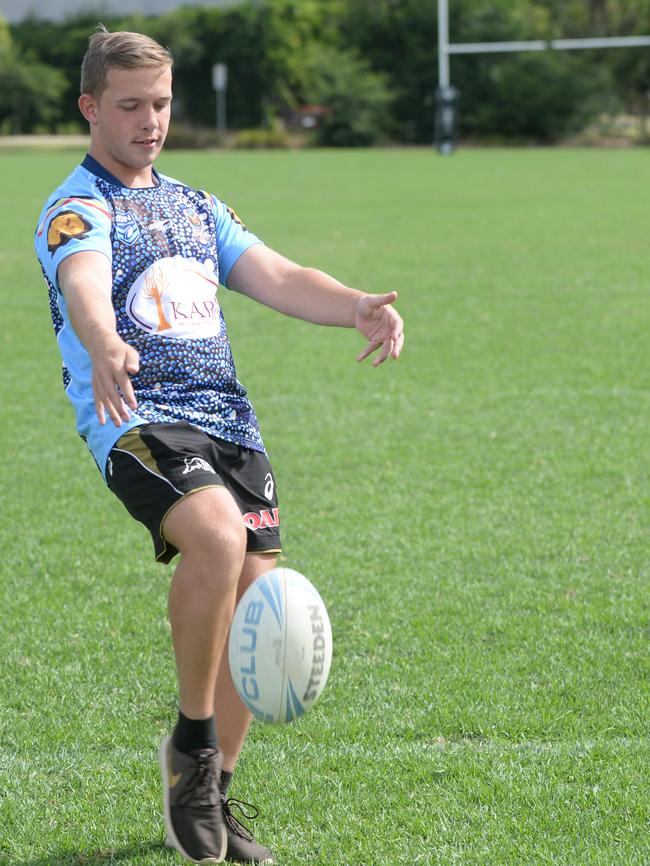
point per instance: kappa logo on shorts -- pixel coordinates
(265, 518)
(194, 463)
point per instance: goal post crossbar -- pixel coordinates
(447, 96)
(446, 49)
(544, 44)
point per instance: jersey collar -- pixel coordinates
(94, 167)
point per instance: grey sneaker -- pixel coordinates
(242, 847)
(193, 806)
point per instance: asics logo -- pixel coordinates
(269, 486)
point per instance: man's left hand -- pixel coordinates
(381, 325)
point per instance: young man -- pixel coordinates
(132, 260)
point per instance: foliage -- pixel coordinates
(30, 91)
(399, 40)
(256, 139)
(541, 97)
(275, 49)
(357, 98)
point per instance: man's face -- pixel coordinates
(130, 119)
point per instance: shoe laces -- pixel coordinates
(202, 788)
(235, 824)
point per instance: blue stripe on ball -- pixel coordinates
(272, 592)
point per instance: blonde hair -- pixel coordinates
(123, 50)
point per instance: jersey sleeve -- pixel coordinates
(233, 238)
(72, 224)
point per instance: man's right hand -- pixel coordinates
(114, 362)
(85, 279)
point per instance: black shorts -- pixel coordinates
(152, 467)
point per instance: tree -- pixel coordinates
(357, 100)
(30, 92)
(398, 40)
(542, 97)
(372, 62)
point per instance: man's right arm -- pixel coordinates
(85, 279)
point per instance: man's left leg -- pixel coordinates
(233, 720)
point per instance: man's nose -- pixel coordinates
(148, 118)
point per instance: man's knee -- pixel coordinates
(207, 527)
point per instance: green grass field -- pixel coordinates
(476, 516)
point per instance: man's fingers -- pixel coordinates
(115, 415)
(129, 395)
(106, 406)
(382, 300)
(376, 302)
(391, 347)
(112, 386)
(370, 348)
(132, 362)
(116, 408)
(109, 400)
(99, 409)
(385, 352)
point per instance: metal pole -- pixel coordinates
(496, 47)
(446, 119)
(221, 111)
(541, 45)
(443, 44)
(220, 83)
(605, 42)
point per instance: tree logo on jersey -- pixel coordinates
(126, 227)
(176, 297)
(66, 225)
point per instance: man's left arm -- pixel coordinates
(309, 294)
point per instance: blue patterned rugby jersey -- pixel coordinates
(170, 247)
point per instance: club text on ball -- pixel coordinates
(251, 621)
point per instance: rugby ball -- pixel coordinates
(280, 646)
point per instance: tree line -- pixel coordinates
(370, 64)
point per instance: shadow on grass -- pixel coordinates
(103, 857)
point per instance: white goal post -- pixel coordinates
(446, 95)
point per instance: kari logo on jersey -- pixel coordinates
(176, 297)
(266, 517)
(126, 226)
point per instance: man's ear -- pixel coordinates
(87, 107)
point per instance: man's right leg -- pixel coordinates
(208, 530)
